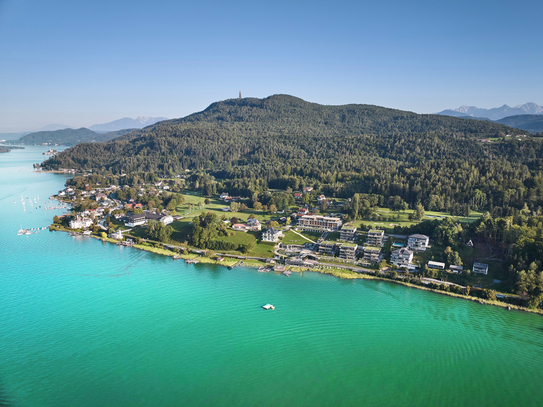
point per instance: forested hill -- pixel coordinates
(530, 122)
(68, 137)
(287, 114)
(261, 138)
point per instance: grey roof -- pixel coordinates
(403, 250)
(417, 236)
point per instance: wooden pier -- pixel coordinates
(239, 263)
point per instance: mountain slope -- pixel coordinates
(496, 113)
(259, 136)
(530, 122)
(68, 137)
(127, 123)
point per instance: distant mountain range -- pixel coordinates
(121, 124)
(495, 113)
(127, 123)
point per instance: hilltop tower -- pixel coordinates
(239, 94)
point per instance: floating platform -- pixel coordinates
(268, 306)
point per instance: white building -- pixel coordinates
(436, 265)
(240, 227)
(401, 257)
(117, 235)
(78, 223)
(271, 235)
(480, 268)
(254, 224)
(167, 219)
(319, 223)
(455, 269)
(418, 242)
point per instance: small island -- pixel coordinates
(7, 149)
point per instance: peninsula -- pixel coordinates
(444, 202)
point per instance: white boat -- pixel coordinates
(268, 306)
(24, 231)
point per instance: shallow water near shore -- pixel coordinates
(84, 323)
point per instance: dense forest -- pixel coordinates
(282, 141)
(531, 122)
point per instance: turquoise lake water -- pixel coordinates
(84, 323)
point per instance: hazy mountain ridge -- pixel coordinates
(67, 137)
(127, 123)
(495, 113)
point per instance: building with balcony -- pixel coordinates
(401, 257)
(328, 248)
(372, 253)
(418, 242)
(347, 251)
(375, 237)
(348, 232)
(318, 223)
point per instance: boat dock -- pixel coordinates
(239, 263)
(192, 261)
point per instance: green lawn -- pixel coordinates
(469, 256)
(333, 236)
(293, 238)
(182, 229)
(263, 249)
(387, 219)
(216, 206)
(238, 237)
(311, 235)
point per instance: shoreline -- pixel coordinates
(54, 171)
(339, 273)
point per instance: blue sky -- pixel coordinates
(81, 63)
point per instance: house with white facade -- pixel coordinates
(80, 222)
(418, 242)
(401, 257)
(271, 235)
(436, 265)
(480, 268)
(240, 227)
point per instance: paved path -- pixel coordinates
(299, 234)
